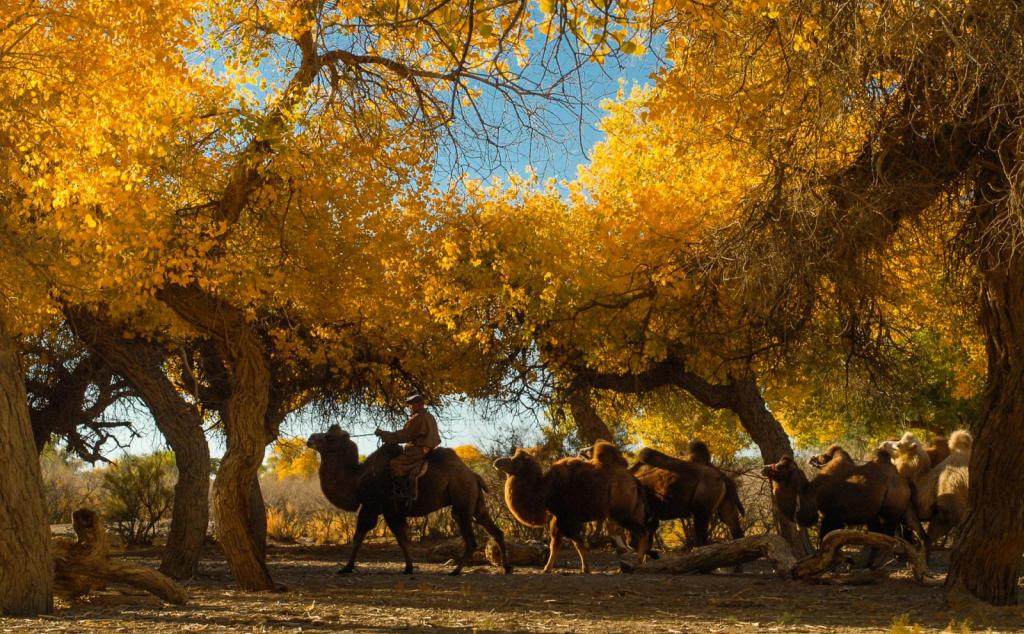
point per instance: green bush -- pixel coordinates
(140, 492)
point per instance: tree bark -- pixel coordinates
(26, 572)
(244, 416)
(589, 425)
(986, 560)
(141, 364)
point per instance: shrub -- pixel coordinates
(67, 484)
(140, 492)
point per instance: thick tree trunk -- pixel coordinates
(258, 518)
(245, 422)
(180, 423)
(986, 561)
(589, 425)
(26, 570)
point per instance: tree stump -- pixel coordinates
(85, 564)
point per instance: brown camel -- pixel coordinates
(677, 489)
(937, 449)
(576, 491)
(366, 487)
(843, 493)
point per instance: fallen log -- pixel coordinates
(778, 551)
(827, 556)
(723, 555)
(529, 554)
(84, 564)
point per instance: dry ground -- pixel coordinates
(379, 599)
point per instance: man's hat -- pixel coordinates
(415, 398)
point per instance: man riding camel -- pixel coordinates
(420, 435)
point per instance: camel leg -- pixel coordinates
(828, 524)
(556, 538)
(483, 518)
(365, 522)
(465, 522)
(398, 526)
(940, 525)
(701, 527)
(884, 527)
(730, 516)
(575, 534)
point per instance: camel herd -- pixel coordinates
(903, 484)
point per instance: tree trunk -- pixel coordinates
(244, 417)
(771, 439)
(180, 423)
(26, 570)
(986, 560)
(258, 518)
(589, 425)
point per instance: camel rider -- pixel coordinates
(420, 436)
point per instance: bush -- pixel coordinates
(139, 494)
(67, 485)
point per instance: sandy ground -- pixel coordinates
(380, 599)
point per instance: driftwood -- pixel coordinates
(84, 564)
(827, 556)
(529, 554)
(725, 554)
(778, 551)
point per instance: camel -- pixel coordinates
(843, 493)
(677, 489)
(366, 487)
(941, 493)
(576, 491)
(909, 456)
(937, 449)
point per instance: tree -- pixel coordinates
(26, 577)
(874, 118)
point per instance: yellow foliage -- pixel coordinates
(291, 458)
(470, 454)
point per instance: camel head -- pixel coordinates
(335, 439)
(908, 443)
(788, 484)
(520, 463)
(833, 452)
(785, 471)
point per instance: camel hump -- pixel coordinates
(608, 455)
(699, 451)
(882, 456)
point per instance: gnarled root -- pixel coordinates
(85, 564)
